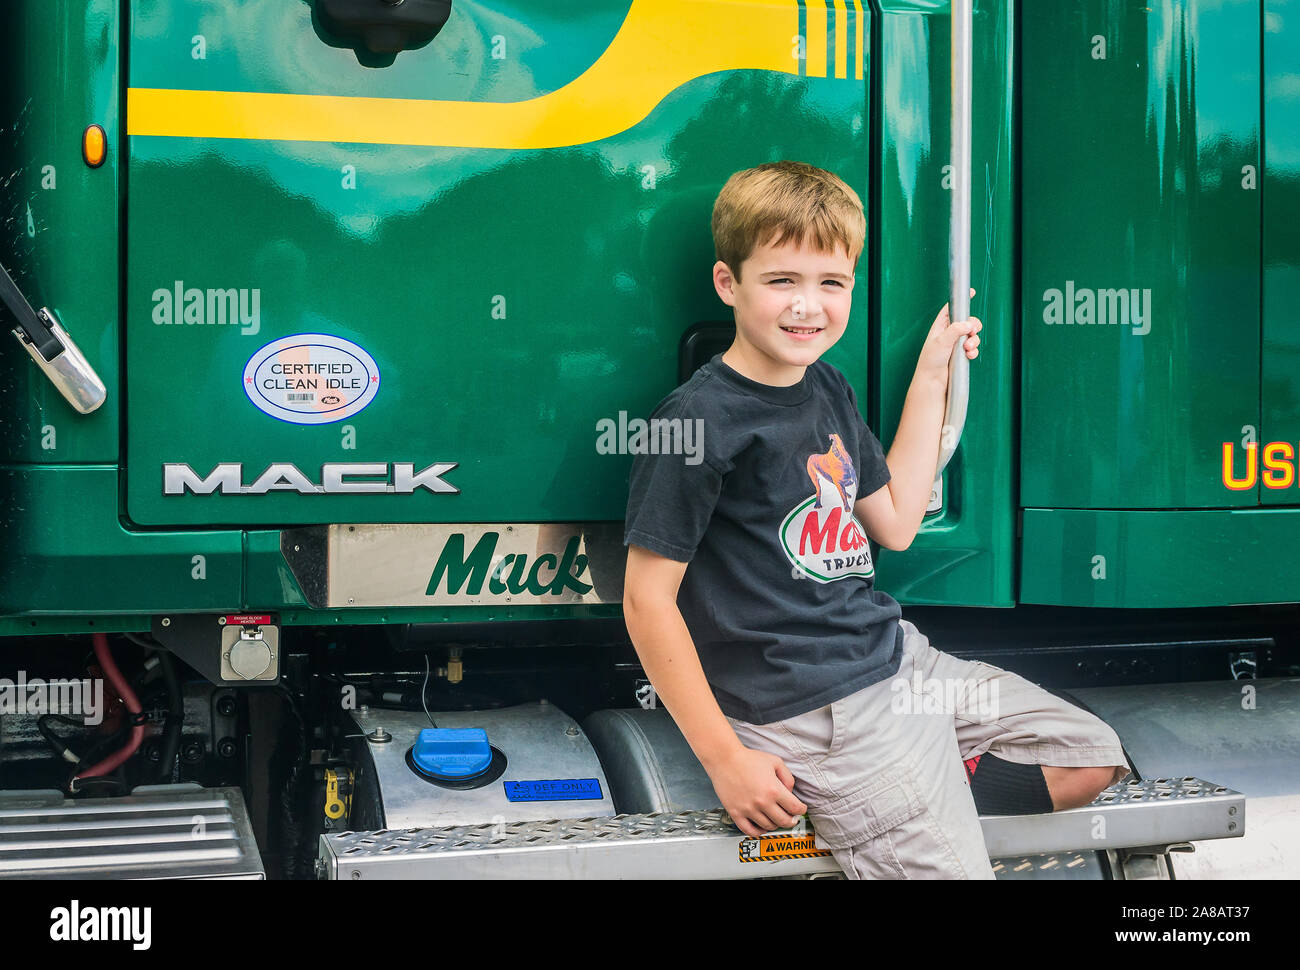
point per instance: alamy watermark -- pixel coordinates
(84, 698)
(934, 695)
(75, 923)
(181, 304)
(657, 436)
(1083, 307)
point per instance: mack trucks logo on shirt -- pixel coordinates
(820, 535)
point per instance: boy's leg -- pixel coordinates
(1076, 787)
(882, 776)
(1021, 724)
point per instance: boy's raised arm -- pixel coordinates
(894, 517)
(755, 787)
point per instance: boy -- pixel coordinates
(795, 682)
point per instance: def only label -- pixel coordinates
(553, 790)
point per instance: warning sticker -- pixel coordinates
(311, 378)
(770, 848)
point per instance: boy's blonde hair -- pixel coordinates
(791, 201)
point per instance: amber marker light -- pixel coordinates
(94, 146)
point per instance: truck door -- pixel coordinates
(419, 288)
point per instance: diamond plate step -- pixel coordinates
(1077, 866)
(705, 844)
(1158, 811)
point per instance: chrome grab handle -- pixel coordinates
(954, 417)
(53, 350)
(68, 369)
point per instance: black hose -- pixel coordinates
(115, 781)
(175, 722)
(56, 742)
(114, 784)
(171, 741)
(291, 807)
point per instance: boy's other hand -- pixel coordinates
(943, 336)
(756, 789)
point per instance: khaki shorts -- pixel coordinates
(881, 770)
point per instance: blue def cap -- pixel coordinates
(452, 753)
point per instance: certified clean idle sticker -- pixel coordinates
(311, 378)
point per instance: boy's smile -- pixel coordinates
(792, 304)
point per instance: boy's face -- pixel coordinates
(792, 305)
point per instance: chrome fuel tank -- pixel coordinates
(550, 770)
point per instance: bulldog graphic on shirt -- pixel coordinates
(820, 536)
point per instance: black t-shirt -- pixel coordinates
(779, 595)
